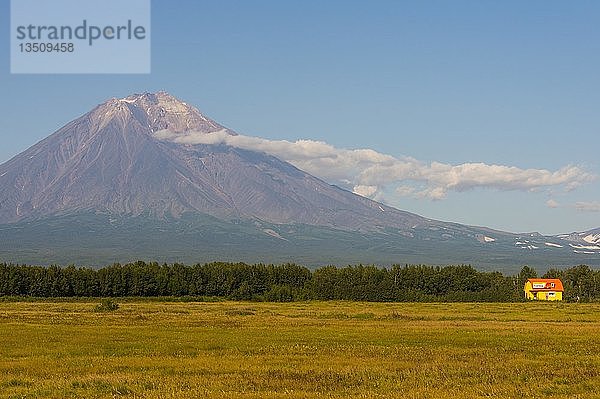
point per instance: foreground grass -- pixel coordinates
(299, 350)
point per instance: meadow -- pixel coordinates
(162, 349)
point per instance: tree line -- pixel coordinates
(288, 282)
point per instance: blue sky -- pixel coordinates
(508, 83)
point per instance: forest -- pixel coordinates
(289, 282)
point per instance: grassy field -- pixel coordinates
(299, 350)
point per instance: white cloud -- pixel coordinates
(593, 206)
(369, 172)
(365, 191)
(552, 203)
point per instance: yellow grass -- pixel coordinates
(299, 350)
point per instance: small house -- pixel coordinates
(544, 289)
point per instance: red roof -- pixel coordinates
(550, 284)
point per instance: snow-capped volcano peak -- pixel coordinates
(158, 111)
(161, 99)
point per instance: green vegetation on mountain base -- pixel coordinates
(96, 240)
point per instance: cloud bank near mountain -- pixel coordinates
(369, 172)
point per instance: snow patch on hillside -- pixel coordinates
(273, 233)
(592, 238)
(584, 246)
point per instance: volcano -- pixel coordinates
(110, 160)
(107, 187)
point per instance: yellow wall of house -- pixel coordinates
(527, 289)
(541, 296)
(557, 297)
